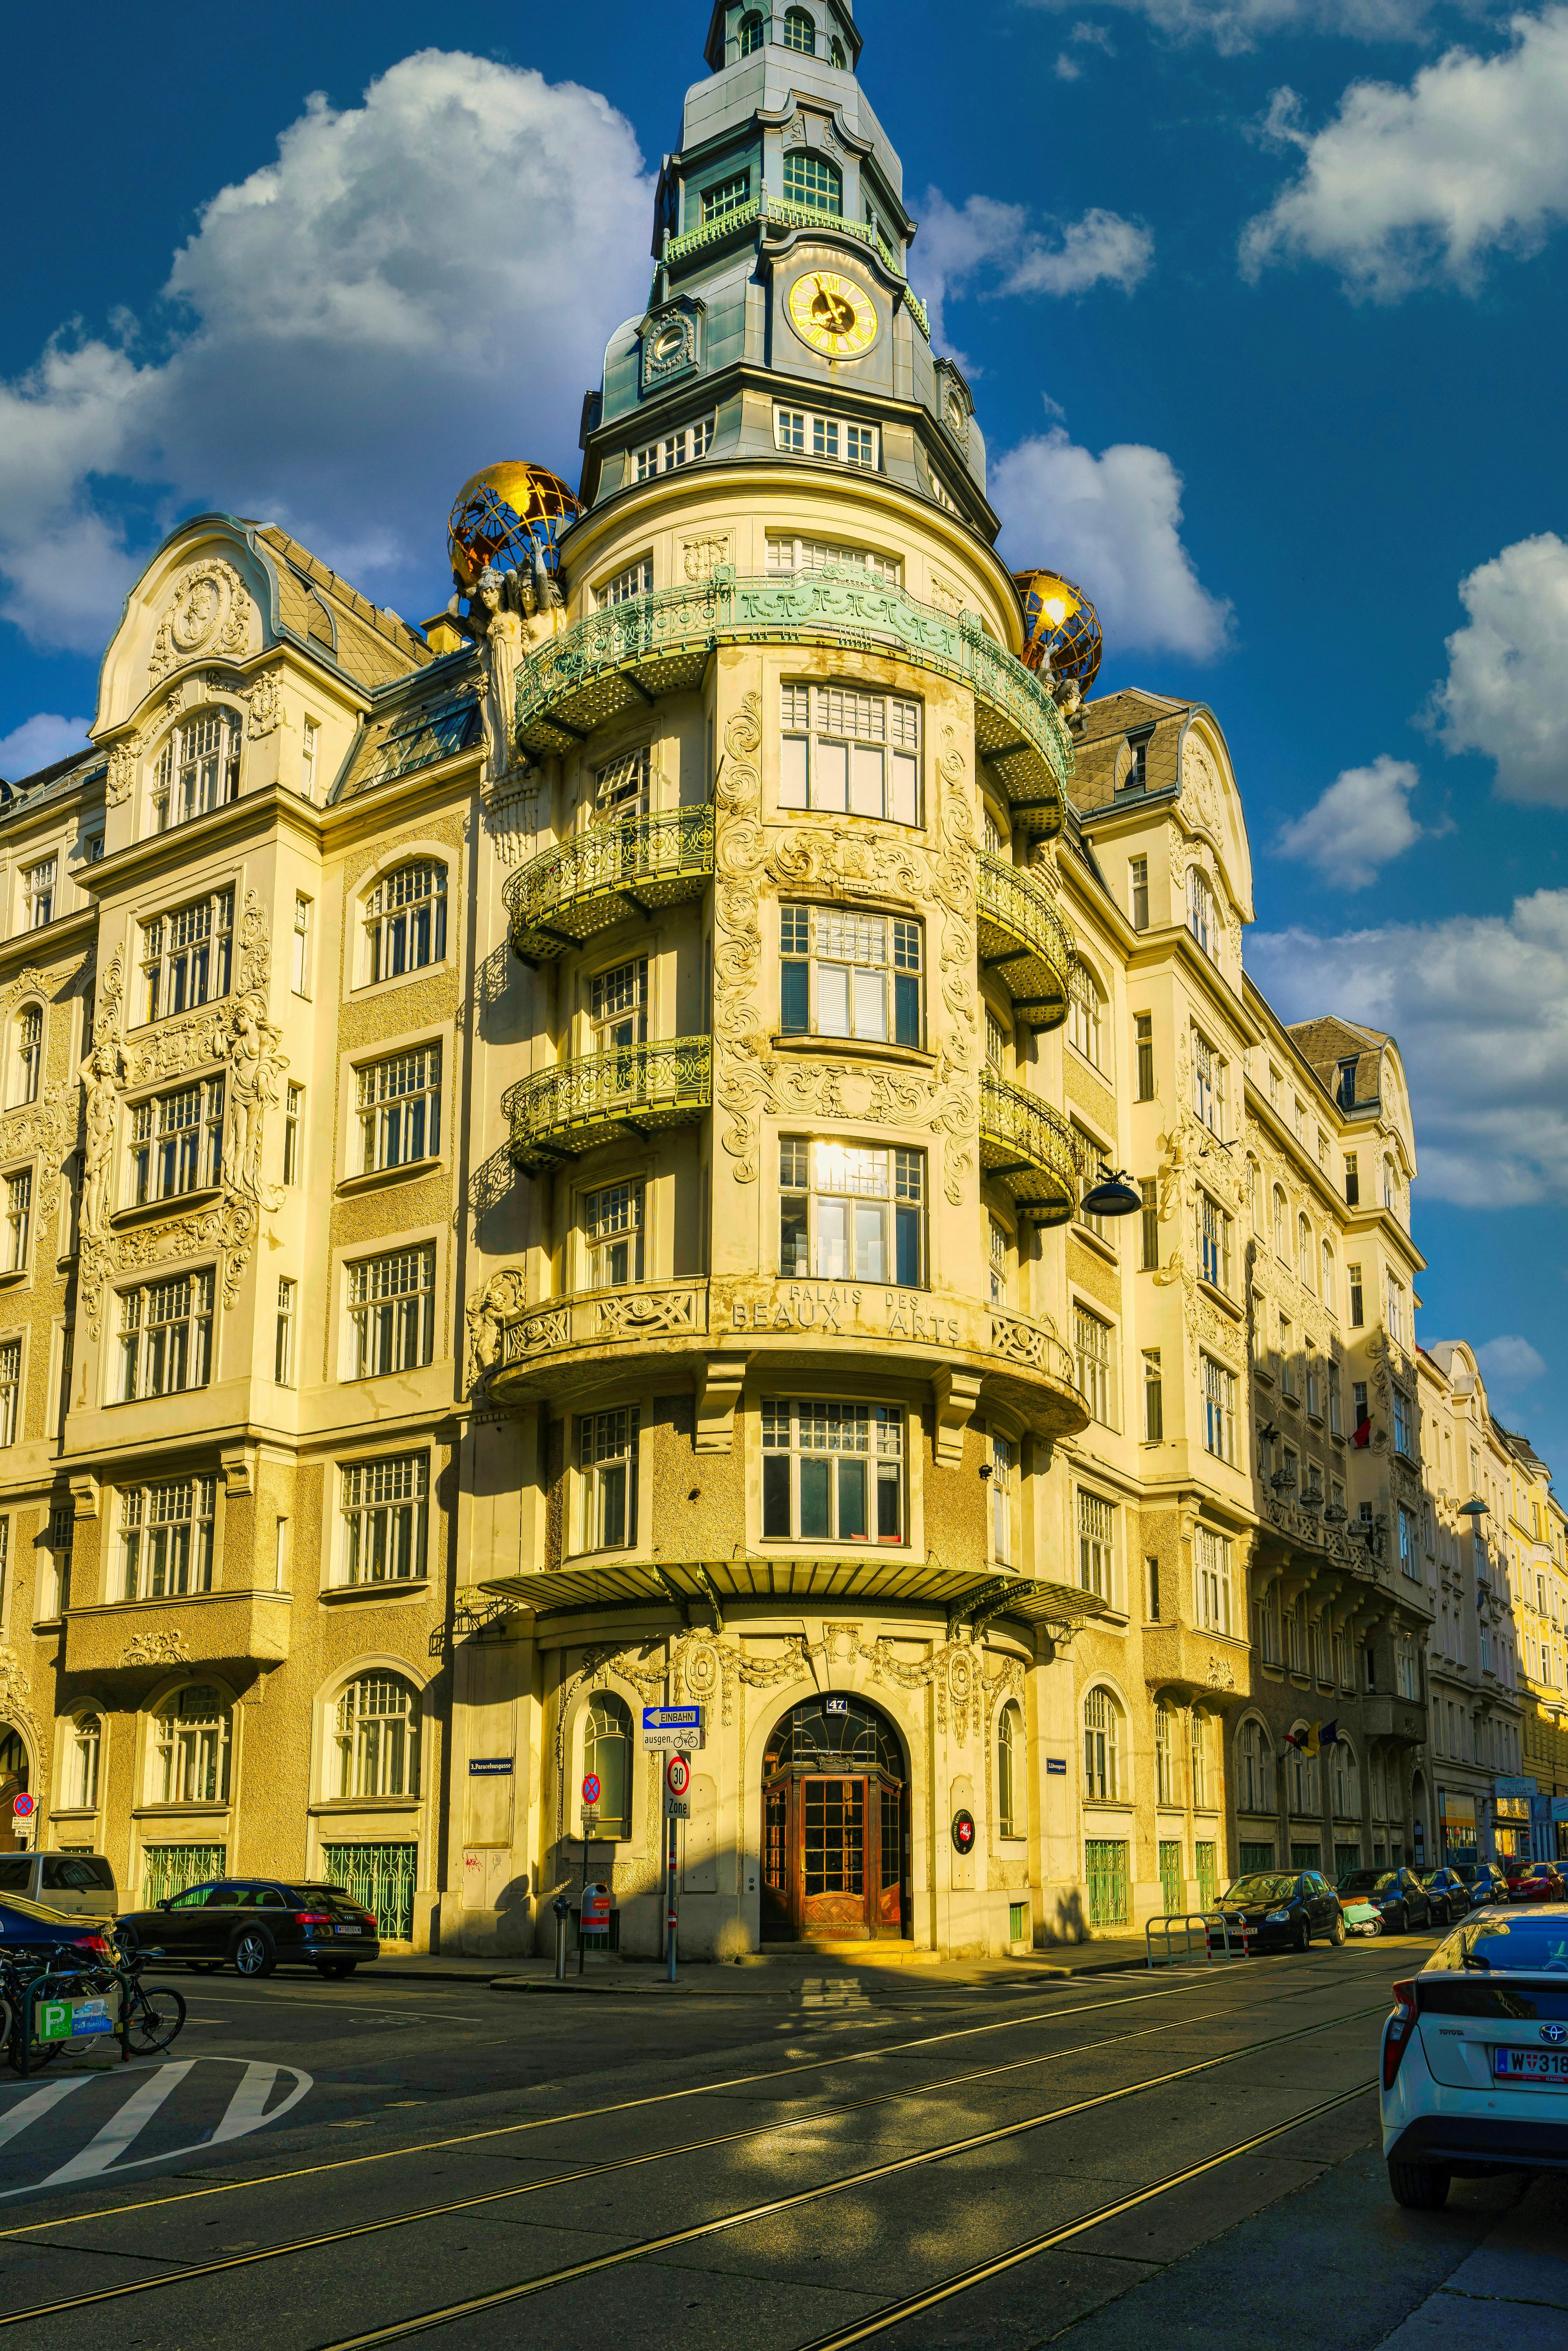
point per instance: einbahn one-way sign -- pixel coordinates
(674, 1728)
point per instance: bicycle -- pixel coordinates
(151, 2018)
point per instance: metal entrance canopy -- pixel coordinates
(708, 1584)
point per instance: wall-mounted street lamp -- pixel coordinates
(1476, 1510)
(1112, 1196)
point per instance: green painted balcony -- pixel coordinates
(1028, 1147)
(619, 659)
(625, 868)
(1023, 940)
(635, 1089)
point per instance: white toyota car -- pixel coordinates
(1475, 2056)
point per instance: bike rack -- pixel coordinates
(1183, 1923)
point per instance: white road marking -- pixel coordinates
(117, 2135)
(39, 2103)
(247, 2107)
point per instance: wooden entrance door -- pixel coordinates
(832, 1857)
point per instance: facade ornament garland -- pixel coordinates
(16, 1695)
(266, 699)
(742, 1083)
(163, 1648)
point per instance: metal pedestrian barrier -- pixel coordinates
(1235, 1935)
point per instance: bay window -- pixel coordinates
(847, 1212)
(832, 1472)
(845, 974)
(858, 754)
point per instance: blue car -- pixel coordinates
(29, 1926)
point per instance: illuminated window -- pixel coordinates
(850, 1213)
(399, 1102)
(165, 1336)
(404, 922)
(191, 1748)
(391, 1313)
(166, 1538)
(612, 1221)
(384, 1508)
(197, 769)
(177, 1143)
(376, 1738)
(1102, 1748)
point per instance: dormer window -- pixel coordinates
(811, 181)
(800, 33)
(806, 436)
(750, 35)
(682, 448)
(731, 195)
(197, 770)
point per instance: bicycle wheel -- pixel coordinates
(156, 2015)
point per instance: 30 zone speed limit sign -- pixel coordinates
(677, 1775)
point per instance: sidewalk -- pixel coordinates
(760, 1971)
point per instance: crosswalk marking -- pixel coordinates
(249, 2105)
(28, 2110)
(118, 2134)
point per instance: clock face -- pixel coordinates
(670, 342)
(956, 417)
(833, 314)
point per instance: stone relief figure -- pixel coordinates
(101, 1108)
(254, 1066)
(487, 1315)
(496, 617)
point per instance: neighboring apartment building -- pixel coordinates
(531, 1198)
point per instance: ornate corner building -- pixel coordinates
(544, 1165)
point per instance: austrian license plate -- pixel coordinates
(347, 1930)
(1530, 2064)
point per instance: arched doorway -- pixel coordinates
(835, 1842)
(13, 1782)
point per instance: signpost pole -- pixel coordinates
(670, 1904)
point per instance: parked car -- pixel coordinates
(1485, 1880)
(79, 1882)
(1448, 1895)
(1536, 1881)
(1282, 1911)
(255, 1924)
(1475, 2056)
(33, 1926)
(1398, 1895)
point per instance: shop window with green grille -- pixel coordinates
(1256, 1856)
(168, 1869)
(1170, 1876)
(383, 1877)
(1306, 1857)
(1346, 1857)
(1017, 1922)
(1105, 1869)
(1206, 1884)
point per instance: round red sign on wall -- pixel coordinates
(964, 1832)
(590, 1789)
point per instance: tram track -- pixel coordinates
(795, 2070)
(945, 2151)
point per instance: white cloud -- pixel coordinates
(1480, 1006)
(418, 286)
(38, 742)
(1425, 185)
(1509, 1363)
(1113, 524)
(986, 246)
(1361, 820)
(1233, 26)
(1506, 693)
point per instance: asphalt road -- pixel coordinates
(776, 2158)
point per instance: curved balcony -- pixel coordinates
(612, 872)
(621, 658)
(573, 1107)
(1028, 1147)
(1023, 939)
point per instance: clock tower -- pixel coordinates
(780, 320)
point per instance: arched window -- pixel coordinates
(1164, 1754)
(1390, 1185)
(191, 1748)
(27, 1054)
(1255, 1195)
(1009, 1773)
(800, 32)
(1280, 1225)
(1306, 1785)
(376, 1731)
(1197, 1742)
(607, 1750)
(813, 181)
(1379, 1793)
(750, 35)
(84, 1741)
(1255, 1794)
(1102, 1748)
(404, 922)
(1346, 1781)
(197, 769)
(1083, 1025)
(1327, 1292)
(12, 1771)
(837, 56)
(1304, 1251)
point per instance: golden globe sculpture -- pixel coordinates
(1061, 628)
(505, 518)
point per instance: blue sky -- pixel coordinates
(1264, 302)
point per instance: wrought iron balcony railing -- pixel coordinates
(1028, 1146)
(1024, 940)
(625, 867)
(559, 1111)
(619, 658)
